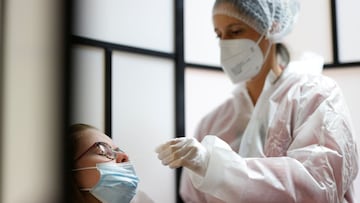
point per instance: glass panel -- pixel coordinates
(143, 117)
(201, 44)
(312, 32)
(87, 91)
(145, 24)
(205, 89)
(348, 29)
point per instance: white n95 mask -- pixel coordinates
(117, 184)
(241, 59)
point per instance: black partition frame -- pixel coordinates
(180, 65)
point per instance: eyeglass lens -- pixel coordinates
(106, 150)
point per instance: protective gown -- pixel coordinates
(295, 145)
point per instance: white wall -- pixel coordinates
(349, 41)
(32, 98)
(88, 91)
(144, 24)
(144, 117)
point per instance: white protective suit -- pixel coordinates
(295, 145)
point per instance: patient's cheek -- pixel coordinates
(87, 178)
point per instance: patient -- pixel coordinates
(101, 170)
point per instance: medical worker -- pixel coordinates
(283, 137)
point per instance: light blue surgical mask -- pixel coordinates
(117, 184)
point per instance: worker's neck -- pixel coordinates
(256, 84)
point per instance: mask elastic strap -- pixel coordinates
(85, 189)
(268, 48)
(261, 38)
(85, 168)
(267, 54)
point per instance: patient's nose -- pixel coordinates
(121, 157)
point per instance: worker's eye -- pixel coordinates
(218, 35)
(236, 32)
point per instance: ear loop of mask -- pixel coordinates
(84, 168)
(268, 48)
(85, 189)
(266, 55)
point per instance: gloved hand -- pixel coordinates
(186, 152)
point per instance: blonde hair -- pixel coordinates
(74, 130)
